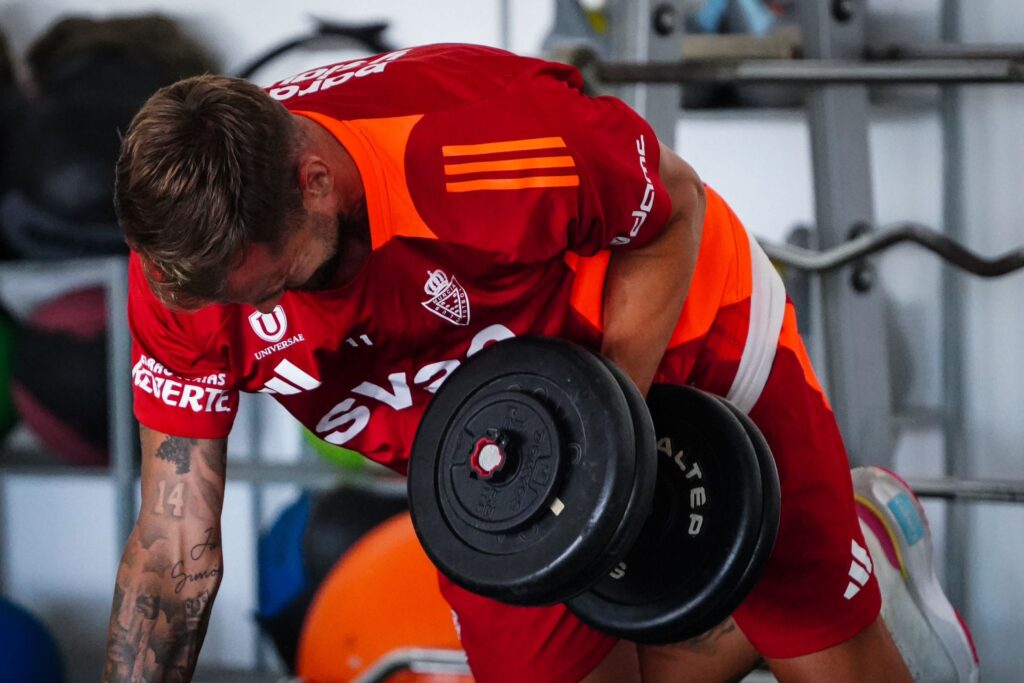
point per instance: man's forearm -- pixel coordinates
(645, 289)
(172, 563)
(160, 612)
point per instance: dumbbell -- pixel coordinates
(539, 475)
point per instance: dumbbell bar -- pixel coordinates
(944, 50)
(538, 475)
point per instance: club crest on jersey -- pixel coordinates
(270, 327)
(448, 299)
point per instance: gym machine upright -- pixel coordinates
(645, 40)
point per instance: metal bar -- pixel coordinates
(812, 72)
(856, 371)
(123, 452)
(958, 518)
(92, 268)
(944, 50)
(32, 470)
(643, 30)
(313, 473)
(976, 490)
(256, 507)
(417, 660)
(848, 252)
(505, 24)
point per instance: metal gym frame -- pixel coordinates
(837, 69)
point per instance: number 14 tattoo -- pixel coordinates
(175, 500)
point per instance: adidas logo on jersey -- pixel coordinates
(448, 299)
(290, 379)
(860, 570)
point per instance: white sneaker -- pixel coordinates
(929, 633)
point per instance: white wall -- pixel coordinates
(761, 162)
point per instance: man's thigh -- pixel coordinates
(511, 644)
(817, 589)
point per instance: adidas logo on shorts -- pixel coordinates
(860, 570)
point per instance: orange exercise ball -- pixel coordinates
(381, 596)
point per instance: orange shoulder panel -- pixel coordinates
(378, 148)
(722, 275)
(587, 295)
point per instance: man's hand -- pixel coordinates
(172, 562)
(645, 288)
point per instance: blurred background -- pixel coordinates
(932, 352)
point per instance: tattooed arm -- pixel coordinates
(172, 562)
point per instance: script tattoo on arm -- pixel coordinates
(172, 563)
(199, 549)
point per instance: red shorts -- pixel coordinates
(805, 602)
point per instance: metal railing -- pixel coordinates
(869, 243)
(417, 660)
(811, 72)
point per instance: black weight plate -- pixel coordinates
(705, 524)
(538, 560)
(577, 494)
(771, 507)
(641, 500)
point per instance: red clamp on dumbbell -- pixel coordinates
(489, 454)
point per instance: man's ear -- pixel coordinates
(315, 177)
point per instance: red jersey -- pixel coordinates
(495, 189)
